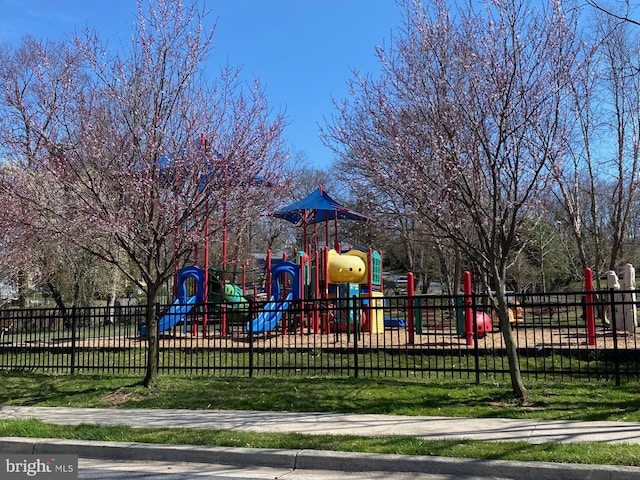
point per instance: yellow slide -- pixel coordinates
(350, 267)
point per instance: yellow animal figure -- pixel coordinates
(346, 268)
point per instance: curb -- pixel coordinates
(318, 460)
(461, 467)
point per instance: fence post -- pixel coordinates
(158, 316)
(476, 347)
(73, 339)
(589, 316)
(250, 324)
(356, 327)
(459, 307)
(468, 311)
(614, 329)
(411, 290)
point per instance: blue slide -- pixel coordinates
(270, 316)
(174, 315)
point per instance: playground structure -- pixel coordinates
(348, 283)
(192, 292)
(324, 288)
(336, 279)
(317, 272)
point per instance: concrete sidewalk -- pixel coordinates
(429, 428)
(432, 428)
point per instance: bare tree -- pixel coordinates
(621, 12)
(621, 82)
(463, 124)
(597, 179)
(575, 175)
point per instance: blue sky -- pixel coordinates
(303, 51)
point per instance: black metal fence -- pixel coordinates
(420, 336)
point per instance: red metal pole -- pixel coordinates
(316, 294)
(326, 233)
(205, 289)
(224, 250)
(304, 259)
(205, 317)
(410, 313)
(223, 279)
(175, 249)
(223, 319)
(325, 271)
(590, 317)
(315, 229)
(468, 311)
(370, 269)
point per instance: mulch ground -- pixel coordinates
(525, 336)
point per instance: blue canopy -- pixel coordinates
(317, 207)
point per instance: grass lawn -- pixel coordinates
(576, 401)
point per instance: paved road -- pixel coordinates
(109, 470)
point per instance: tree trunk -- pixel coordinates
(22, 289)
(57, 298)
(517, 385)
(112, 296)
